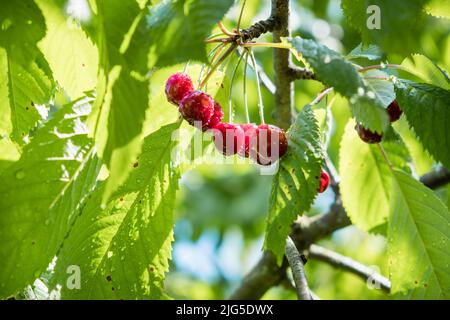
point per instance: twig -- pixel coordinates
(342, 262)
(298, 270)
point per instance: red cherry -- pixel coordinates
(228, 138)
(270, 146)
(177, 87)
(394, 111)
(197, 106)
(368, 136)
(216, 117)
(324, 181)
(250, 130)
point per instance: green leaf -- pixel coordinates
(427, 111)
(296, 183)
(401, 23)
(426, 70)
(372, 52)
(439, 8)
(331, 68)
(25, 79)
(117, 118)
(74, 60)
(123, 250)
(366, 178)
(41, 195)
(383, 89)
(418, 240)
(177, 29)
(422, 160)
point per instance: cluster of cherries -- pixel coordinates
(264, 144)
(368, 136)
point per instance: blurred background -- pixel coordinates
(221, 209)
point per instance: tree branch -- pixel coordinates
(281, 64)
(339, 261)
(305, 232)
(298, 270)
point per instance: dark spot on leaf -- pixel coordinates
(121, 199)
(83, 65)
(416, 282)
(112, 288)
(136, 164)
(33, 242)
(279, 227)
(108, 278)
(151, 269)
(221, 85)
(425, 285)
(140, 201)
(32, 103)
(26, 108)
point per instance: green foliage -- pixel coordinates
(42, 194)
(366, 178)
(426, 108)
(296, 183)
(123, 249)
(331, 68)
(438, 8)
(426, 70)
(372, 52)
(418, 241)
(25, 79)
(178, 29)
(401, 22)
(118, 114)
(76, 72)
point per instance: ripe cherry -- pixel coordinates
(228, 138)
(324, 181)
(177, 87)
(368, 136)
(271, 144)
(250, 130)
(216, 117)
(197, 106)
(394, 111)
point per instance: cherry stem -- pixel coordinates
(186, 66)
(260, 101)
(230, 95)
(240, 17)
(203, 66)
(378, 77)
(215, 35)
(321, 95)
(247, 114)
(385, 156)
(216, 64)
(225, 30)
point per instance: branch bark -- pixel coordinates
(342, 262)
(281, 63)
(298, 270)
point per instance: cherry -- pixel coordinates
(368, 136)
(177, 87)
(250, 130)
(228, 138)
(197, 106)
(394, 111)
(216, 117)
(324, 181)
(271, 144)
